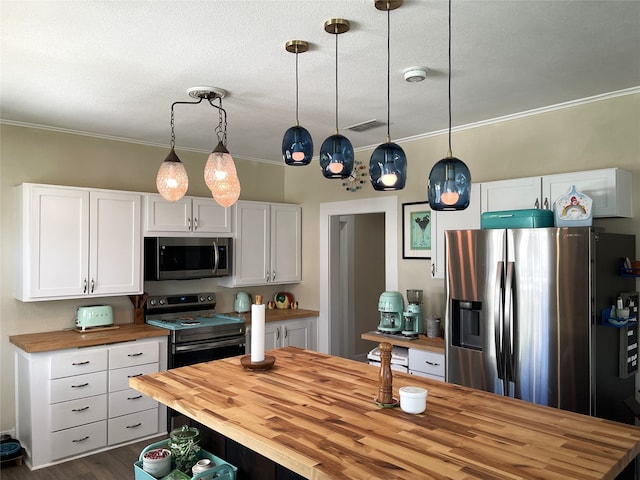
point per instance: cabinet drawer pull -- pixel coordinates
(93, 284)
(133, 376)
(76, 364)
(134, 426)
(80, 386)
(81, 439)
(134, 354)
(433, 364)
(84, 286)
(80, 409)
(134, 398)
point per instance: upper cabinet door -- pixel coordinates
(286, 243)
(54, 242)
(251, 248)
(514, 194)
(115, 235)
(163, 216)
(209, 217)
(609, 188)
(190, 215)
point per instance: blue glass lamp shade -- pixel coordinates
(336, 157)
(297, 146)
(388, 167)
(449, 185)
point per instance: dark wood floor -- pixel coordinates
(116, 463)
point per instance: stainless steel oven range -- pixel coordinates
(198, 334)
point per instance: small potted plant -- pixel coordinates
(157, 462)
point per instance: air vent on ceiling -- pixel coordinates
(363, 126)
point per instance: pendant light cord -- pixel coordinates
(336, 34)
(450, 154)
(297, 122)
(388, 72)
(172, 122)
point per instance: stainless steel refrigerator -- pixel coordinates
(523, 316)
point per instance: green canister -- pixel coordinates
(184, 443)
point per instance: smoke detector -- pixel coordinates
(415, 74)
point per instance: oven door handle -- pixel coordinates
(209, 345)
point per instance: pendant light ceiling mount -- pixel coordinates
(206, 93)
(337, 26)
(387, 5)
(296, 46)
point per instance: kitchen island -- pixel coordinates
(315, 414)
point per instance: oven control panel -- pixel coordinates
(184, 300)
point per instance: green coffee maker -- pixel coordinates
(391, 306)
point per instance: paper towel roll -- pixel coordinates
(257, 333)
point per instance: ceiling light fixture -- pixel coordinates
(449, 183)
(297, 144)
(388, 163)
(336, 152)
(220, 171)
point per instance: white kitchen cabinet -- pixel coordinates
(427, 364)
(466, 219)
(302, 333)
(268, 244)
(195, 216)
(75, 242)
(77, 401)
(609, 188)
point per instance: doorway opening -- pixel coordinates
(335, 256)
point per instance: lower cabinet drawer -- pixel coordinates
(426, 362)
(79, 386)
(129, 427)
(74, 441)
(426, 375)
(78, 412)
(119, 378)
(129, 401)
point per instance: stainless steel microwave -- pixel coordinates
(184, 258)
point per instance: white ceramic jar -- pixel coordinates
(413, 399)
(157, 462)
(202, 466)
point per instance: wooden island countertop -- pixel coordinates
(315, 414)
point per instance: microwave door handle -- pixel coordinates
(216, 257)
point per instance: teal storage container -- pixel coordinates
(222, 470)
(530, 218)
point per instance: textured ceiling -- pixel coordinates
(113, 68)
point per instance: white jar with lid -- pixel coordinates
(202, 466)
(413, 399)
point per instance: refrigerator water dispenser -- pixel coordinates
(466, 324)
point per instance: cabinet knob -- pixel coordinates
(189, 222)
(84, 286)
(537, 204)
(195, 223)
(546, 203)
(93, 285)
(273, 277)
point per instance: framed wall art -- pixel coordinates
(416, 230)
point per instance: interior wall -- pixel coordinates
(593, 135)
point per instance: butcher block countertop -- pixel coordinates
(61, 339)
(314, 414)
(277, 314)
(422, 343)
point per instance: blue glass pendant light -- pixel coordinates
(449, 184)
(297, 144)
(336, 152)
(388, 163)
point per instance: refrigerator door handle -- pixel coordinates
(509, 313)
(497, 321)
